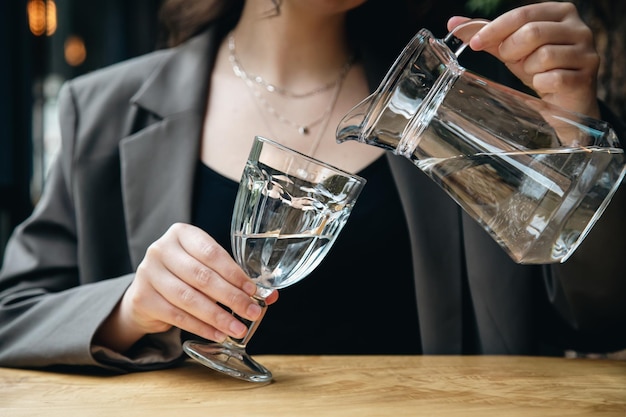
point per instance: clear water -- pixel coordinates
(537, 204)
(283, 226)
(523, 174)
(277, 261)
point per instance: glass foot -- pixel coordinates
(229, 360)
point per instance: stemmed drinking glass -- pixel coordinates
(288, 213)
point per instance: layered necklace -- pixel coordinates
(258, 86)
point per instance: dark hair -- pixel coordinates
(182, 19)
(384, 25)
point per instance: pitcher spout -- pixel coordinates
(363, 124)
(351, 126)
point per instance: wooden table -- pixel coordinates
(304, 386)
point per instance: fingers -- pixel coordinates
(526, 24)
(454, 21)
(210, 269)
(223, 281)
(549, 48)
(159, 314)
(203, 251)
(550, 57)
(200, 262)
(532, 36)
(184, 280)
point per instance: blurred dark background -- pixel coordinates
(45, 42)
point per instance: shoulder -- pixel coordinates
(94, 108)
(98, 109)
(118, 81)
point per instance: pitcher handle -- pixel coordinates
(455, 44)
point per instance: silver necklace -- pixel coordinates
(273, 88)
(315, 143)
(253, 82)
(303, 130)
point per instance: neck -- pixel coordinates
(297, 49)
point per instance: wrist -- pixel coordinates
(116, 332)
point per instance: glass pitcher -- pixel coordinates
(535, 176)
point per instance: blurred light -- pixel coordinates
(51, 17)
(75, 51)
(42, 17)
(36, 17)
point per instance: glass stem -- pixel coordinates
(259, 298)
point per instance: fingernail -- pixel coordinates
(237, 328)
(253, 311)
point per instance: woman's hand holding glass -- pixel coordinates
(289, 210)
(180, 281)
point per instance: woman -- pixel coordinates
(129, 245)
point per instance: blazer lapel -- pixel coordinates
(158, 161)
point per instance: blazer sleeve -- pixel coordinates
(48, 314)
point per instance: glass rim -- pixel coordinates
(343, 172)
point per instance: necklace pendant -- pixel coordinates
(303, 130)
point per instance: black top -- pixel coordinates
(359, 300)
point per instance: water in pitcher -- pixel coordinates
(535, 195)
(526, 200)
(535, 176)
(538, 204)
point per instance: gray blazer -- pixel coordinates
(130, 142)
